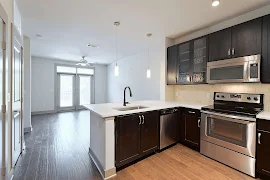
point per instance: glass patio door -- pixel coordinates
(67, 91)
(84, 90)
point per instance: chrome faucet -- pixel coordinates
(130, 94)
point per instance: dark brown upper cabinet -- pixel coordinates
(247, 38)
(136, 135)
(171, 64)
(192, 61)
(220, 45)
(184, 63)
(265, 61)
(238, 41)
(199, 57)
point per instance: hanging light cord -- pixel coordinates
(116, 45)
(148, 50)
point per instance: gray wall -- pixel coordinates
(43, 83)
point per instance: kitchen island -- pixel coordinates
(102, 128)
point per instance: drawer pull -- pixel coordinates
(259, 138)
(191, 112)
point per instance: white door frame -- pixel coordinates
(4, 113)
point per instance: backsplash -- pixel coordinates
(204, 93)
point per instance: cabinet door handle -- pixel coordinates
(199, 123)
(233, 51)
(229, 52)
(140, 120)
(191, 112)
(176, 79)
(143, 119)
(259, 138)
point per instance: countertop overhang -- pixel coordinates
(107, 110)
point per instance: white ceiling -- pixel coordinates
(68, 25)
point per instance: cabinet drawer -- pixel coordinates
(263, 125)
(191, 112)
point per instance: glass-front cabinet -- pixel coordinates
(183, 74)
(192, 61)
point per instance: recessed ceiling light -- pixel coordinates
(215, 2)
(39, 36)
(92, 45)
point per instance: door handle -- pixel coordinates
(199, 123)
(140, 120)
(259, 138)
(143, 119)
(229, 52)
(233, 51)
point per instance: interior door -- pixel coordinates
(84, 90)
(67, 91)
(220, 45)
(17, 59)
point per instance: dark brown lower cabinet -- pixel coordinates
(127, 139)
(135, 136)
(263, 148)
(190, 127)
(149, 132)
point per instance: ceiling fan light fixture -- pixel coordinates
(92, 45)
(215, 3)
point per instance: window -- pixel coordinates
(74, 70)
(64, 69)
(85, 71)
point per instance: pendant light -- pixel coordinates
(148, 72)
(116, 68)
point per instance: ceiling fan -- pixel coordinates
(83, 62)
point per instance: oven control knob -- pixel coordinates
(248, 98)
(223, 96)
(218, 96)
(255, 99)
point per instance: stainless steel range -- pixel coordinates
(228, 130)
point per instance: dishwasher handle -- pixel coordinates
(168, 111)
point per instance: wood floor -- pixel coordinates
(57, 149)
(179, 163)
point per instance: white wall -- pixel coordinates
(43, 83)
(132, 72)
(27, 84)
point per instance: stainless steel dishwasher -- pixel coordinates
(168, 127)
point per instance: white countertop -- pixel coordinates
(263, 115)
(108, 109)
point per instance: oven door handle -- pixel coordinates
(232, 118)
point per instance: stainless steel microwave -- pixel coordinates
(242, 69)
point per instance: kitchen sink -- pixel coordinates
(130, 108)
